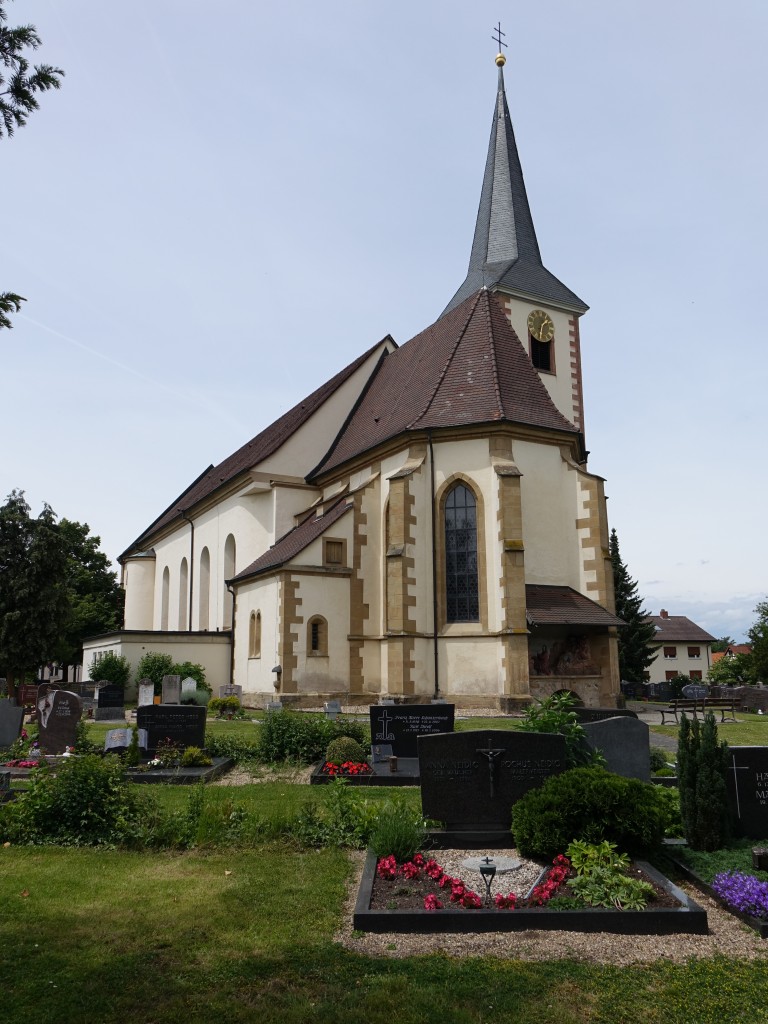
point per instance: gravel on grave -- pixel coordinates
(403, 894)
(727, 936)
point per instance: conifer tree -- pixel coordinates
(701, 772)
(635, 638)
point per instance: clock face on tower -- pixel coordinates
(540, 325)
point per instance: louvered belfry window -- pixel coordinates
(462, 602)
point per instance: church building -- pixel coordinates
(422, 525)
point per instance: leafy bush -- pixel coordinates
(556, 714)
(399, 832)
(154, 666)
(82, 744)
(133, 753)
(344, 818)
(344, 748)
(240, 750)
(659, 759)
(224, 706)
(589, 804)
(702, 763)
(86, 803)
(188, 669)
(194, 757)
(291, 736)
(110, 668)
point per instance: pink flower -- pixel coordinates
(410, 870)
(432, 869)
(387, 868)
(431, 902)
(418, 860)
(445, 881)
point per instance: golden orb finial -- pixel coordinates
(501, 60)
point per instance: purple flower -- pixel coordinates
(743, 892)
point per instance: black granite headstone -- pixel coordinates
(110, 703)
(600, 714)
(58, 712)
(624, 743)
(748, 791)
(11, 718)
(401, 725)
(470, 780)
(182, 724)
(695, 691)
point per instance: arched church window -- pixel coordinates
(229, 572)
(317, 636)
(183, 594)
(462, 602)
(254, 636)
(165, 598)
(205, 589)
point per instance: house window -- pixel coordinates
(669, 676)
(460, 521)
(334, 552)
(670, 652)
(694, 652)
(254, 635)
(695, 674)
(317, 637)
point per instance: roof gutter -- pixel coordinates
(434, 565)
(191, 563)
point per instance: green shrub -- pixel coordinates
(188, 669)
(239, 749)
(154, 666)
(344, 748)
(86, 803)
(702, 763)
(292, 736)
(399, 831)
(224, 706)
(194, 757)
(345, 818)
(110, 668)
(82, 744)
(133, 753)
(589, 804)
(659, 759)
(556, 714)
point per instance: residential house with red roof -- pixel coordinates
(423, 524)
(682, 648)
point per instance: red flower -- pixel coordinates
(387, 868)
(445, 881)
(431, 902)
(470, 900)
(506, 902)
(432, 869)
(418, 860)
(410, 870)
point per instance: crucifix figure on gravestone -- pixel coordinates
(492, 755)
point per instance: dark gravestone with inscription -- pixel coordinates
(747, 779)
(110, 703)
(694, 691)
(58, 712)
(470, 780)
(625, 745)
(400, 726)
(182, 724)
(11, 718)
(600, 714)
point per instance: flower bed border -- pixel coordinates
(755, 923)
(406, 775)
(689, 917)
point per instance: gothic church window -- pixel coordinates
(254, 636)
(461, 586)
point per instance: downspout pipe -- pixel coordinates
(191, 563)
(231, 589)
(434, 565)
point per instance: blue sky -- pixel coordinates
(223, 206)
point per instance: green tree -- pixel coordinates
(722, 644)
(758, 637)
(96, 598)
(110, 668)
(34, 600)
(736, 671)
(19, 87)
(702, 763)
(636, 636)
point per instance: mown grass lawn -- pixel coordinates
(96, 937)
(749, 730)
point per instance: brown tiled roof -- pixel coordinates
(468, 368)
(558, 606)
(673, 628)
(294, 542)
(254, 452)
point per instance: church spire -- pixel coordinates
(505, 251)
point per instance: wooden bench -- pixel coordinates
(701, 705)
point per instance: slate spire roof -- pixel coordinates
(467, 368)
(505, 251)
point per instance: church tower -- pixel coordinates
(505, 258)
